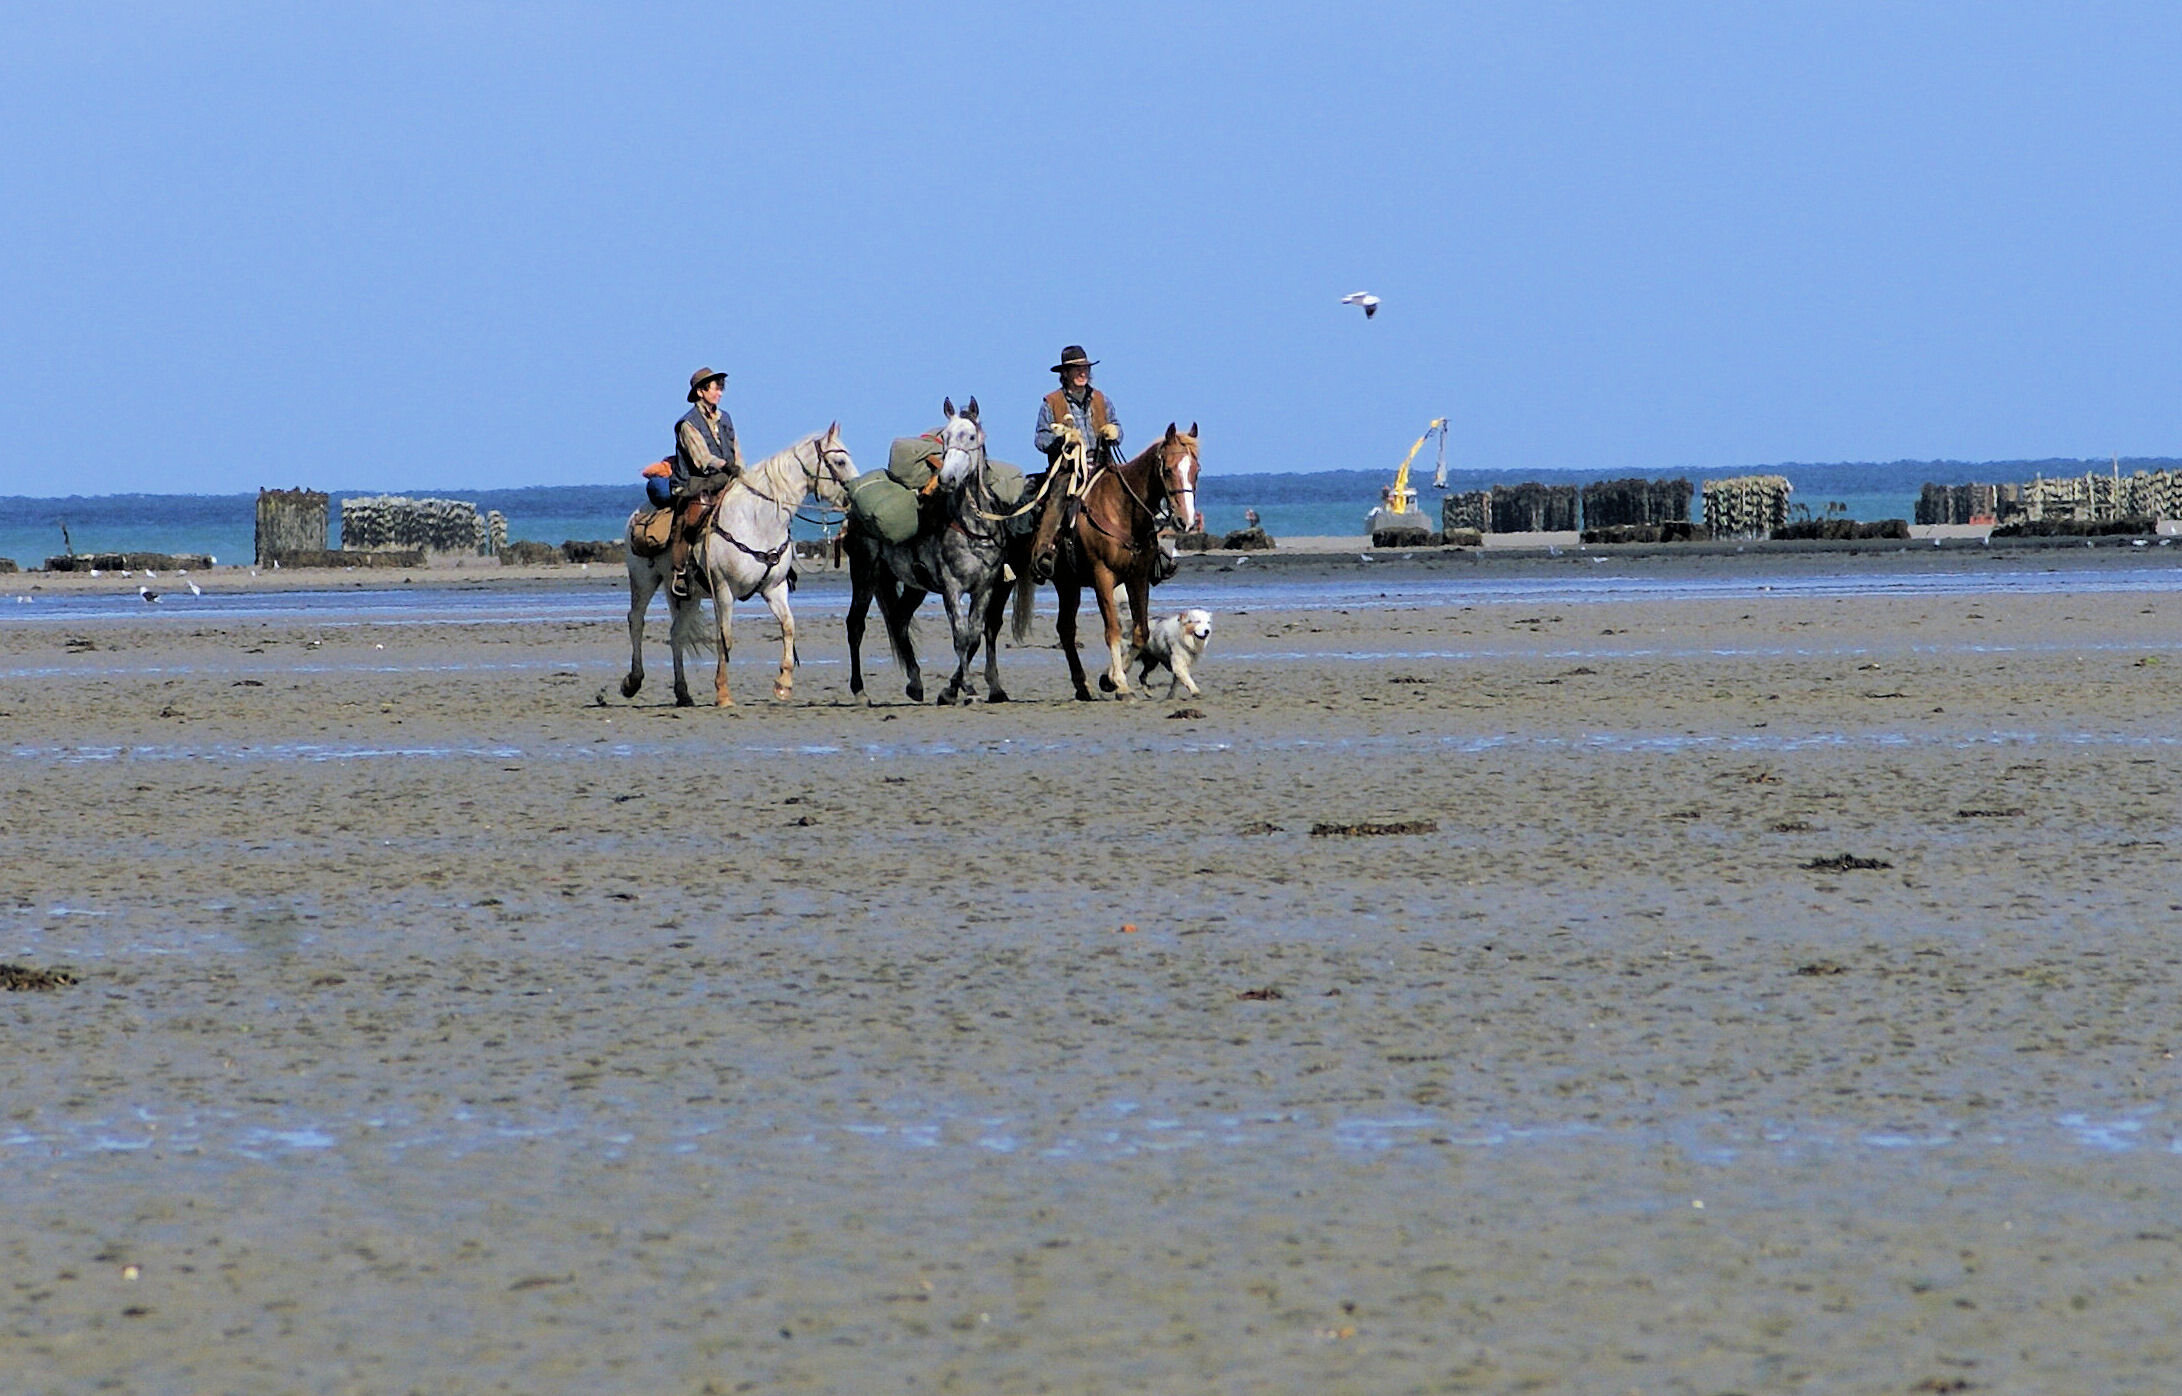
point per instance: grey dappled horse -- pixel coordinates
(745, 551)
(961, 558)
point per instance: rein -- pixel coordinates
(1134, 541)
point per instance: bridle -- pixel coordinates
(822, 467)
(976, 491)
(1153, 515)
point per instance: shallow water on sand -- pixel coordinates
(1392, 581)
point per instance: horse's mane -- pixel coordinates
(1144, 456)
(772, 469)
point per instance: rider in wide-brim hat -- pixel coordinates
(1074, 413)
(1076, 401)
(707, 459)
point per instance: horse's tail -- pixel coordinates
(691, 630)
(900, 628)
(1026, 594)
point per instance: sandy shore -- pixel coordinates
(442, 1027)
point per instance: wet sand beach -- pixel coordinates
(1777, 990)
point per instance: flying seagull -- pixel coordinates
(1365, 299)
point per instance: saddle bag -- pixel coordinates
(652, 531)
(913, 460)
(1005, 481)
(885, 507)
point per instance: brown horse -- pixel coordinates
(1115, 542)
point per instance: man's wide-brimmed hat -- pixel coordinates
(1073, 357)
(701, 377)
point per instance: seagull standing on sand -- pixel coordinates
(147, 593)
(1365, 299)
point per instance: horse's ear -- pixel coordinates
(971, 410)
(1193, 431)
(1170, 431)
(947, 408)
(833, 431)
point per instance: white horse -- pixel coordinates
(745, 551)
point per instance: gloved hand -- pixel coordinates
(1066, 433)
(1109, 433)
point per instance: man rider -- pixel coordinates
(707, 459)
(1079, 405)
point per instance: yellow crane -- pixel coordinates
(1400, 507)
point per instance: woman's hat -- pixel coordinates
(701, 377)
(1073, 357)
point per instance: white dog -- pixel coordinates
(1175, 643)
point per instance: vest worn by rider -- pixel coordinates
(1060, 409)
(717, 439)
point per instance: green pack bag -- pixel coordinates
(1006, 482)
(913, 460)
(886, 508)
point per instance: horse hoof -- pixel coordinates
(1106, 685)
(996, 696)
(630, 684)
(683, 700)
(1083, 695)
(948, 698)
(915, 692)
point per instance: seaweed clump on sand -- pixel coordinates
(1352, 831)
(17, 978)
(1846, 862)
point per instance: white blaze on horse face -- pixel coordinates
(1187, 495)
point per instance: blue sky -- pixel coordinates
(484, 244)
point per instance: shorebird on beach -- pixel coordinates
(1366, 299)
(147, 593)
